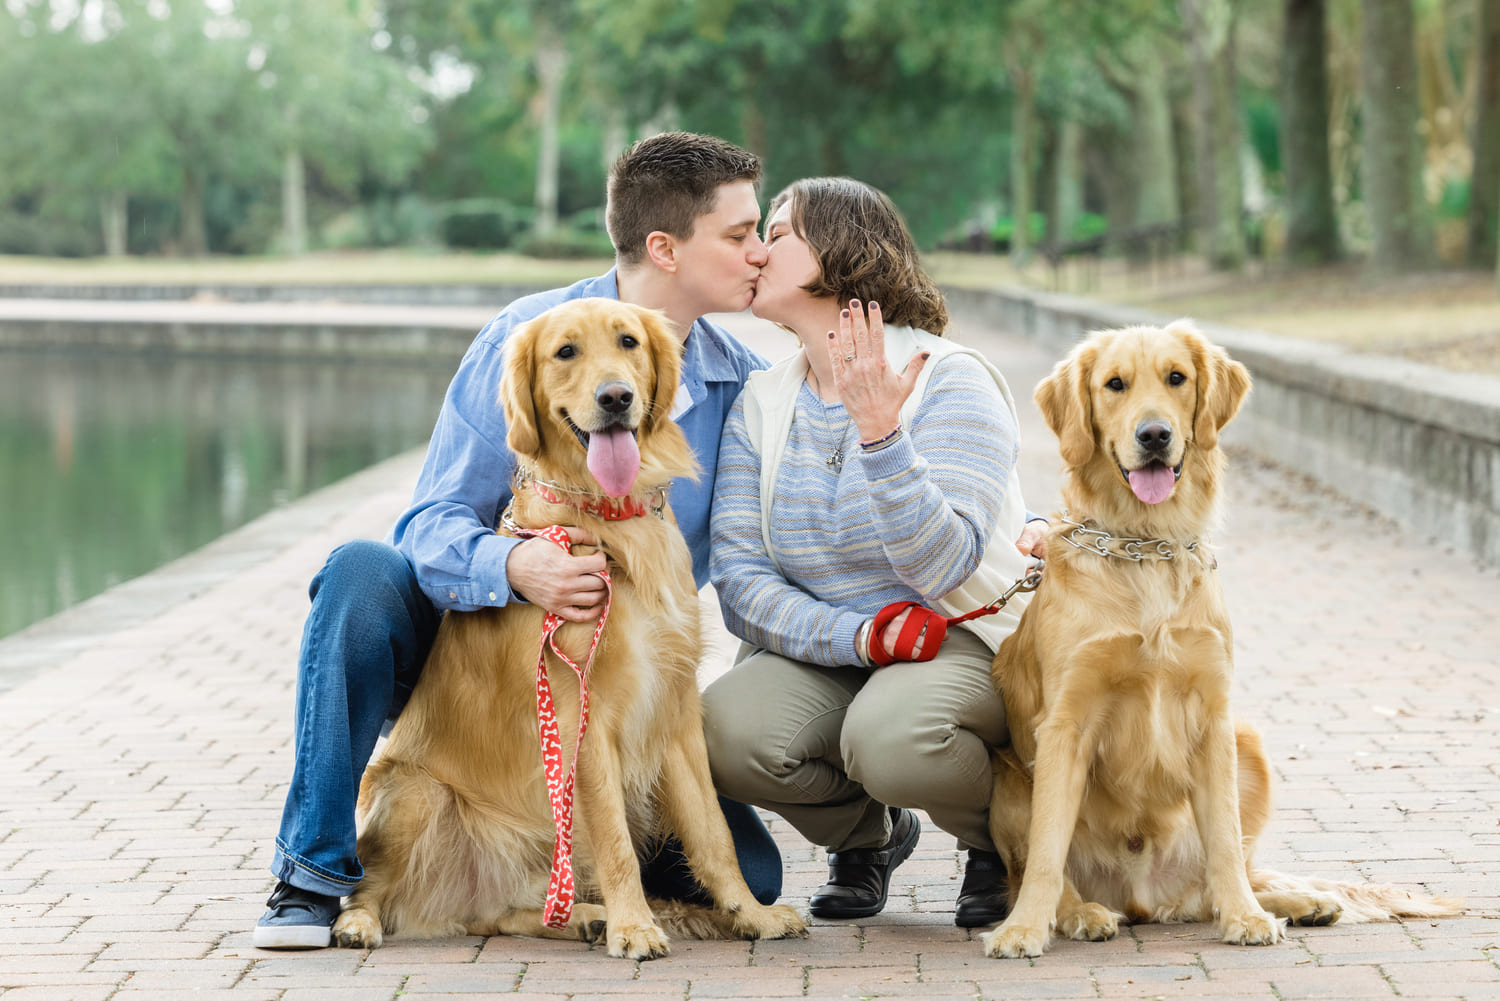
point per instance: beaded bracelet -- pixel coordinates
(876, 444)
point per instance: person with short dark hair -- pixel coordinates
(866, 483)
(683, 215)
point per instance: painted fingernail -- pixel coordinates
(926, 355)
(874, 306)
(844, 314)
(831, 335)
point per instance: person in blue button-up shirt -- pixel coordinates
(683, 216)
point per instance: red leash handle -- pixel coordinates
(560, 884)
(937, 625)
(906, 639)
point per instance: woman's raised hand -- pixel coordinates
(872, 393)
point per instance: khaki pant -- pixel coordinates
(829, 748)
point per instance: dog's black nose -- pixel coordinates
(1154, 436)
(614, 397)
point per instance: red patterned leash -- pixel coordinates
(560, 887)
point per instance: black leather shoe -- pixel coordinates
(984, 897)
(859, 880)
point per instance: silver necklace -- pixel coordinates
(836, 457)
(835, 460)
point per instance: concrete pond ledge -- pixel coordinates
(493, 295)
(1413, 442)
(342, 331)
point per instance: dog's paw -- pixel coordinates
(643, 941)
(358, 929)
(776, 921)
(589, 923)
(1013, 940)
(1252, 928)
(1089, 923)
(1314, 909)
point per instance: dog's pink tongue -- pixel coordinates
(1152, 484)
(614, 460)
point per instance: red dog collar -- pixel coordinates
(608, 508)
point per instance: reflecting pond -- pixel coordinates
(113, 465)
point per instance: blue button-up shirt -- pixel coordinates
(448, 531)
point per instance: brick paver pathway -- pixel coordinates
(144, 773)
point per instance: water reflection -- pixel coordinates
(111, 466)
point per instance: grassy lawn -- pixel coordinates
(1449, 318)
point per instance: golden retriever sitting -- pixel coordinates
(1129, 790)
(457, 832)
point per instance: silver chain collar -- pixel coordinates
(1101, 543)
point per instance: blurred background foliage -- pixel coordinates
(1305, 130)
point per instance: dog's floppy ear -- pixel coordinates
(523, 433)
(1068, 406)
(666, 355)
(1222, 384)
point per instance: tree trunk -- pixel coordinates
(1484, 183)
(753, 124)
(757, 132)
(1067, 181)
(194, 229)
(551, 65)
(1108, 164)
(1392, 148)
(114, 217)
(616, 136)
(293, 204)
(1312, 235)
(1210, 27)
(1022, 163)
(666, 119)
(1151, 121)
(831, 154)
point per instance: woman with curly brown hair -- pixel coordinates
(866, 490)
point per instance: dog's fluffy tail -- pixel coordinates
(1361, 902)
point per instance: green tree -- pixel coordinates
(331, 102)
(834, 88)
(80, 130)
(523, 46)
(202, 91)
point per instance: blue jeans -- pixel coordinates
(363, 646)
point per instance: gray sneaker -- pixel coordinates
(296, 919)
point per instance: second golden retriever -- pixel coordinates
(456, 830)
(1129, 791)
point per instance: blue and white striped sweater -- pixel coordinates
(907, 523)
